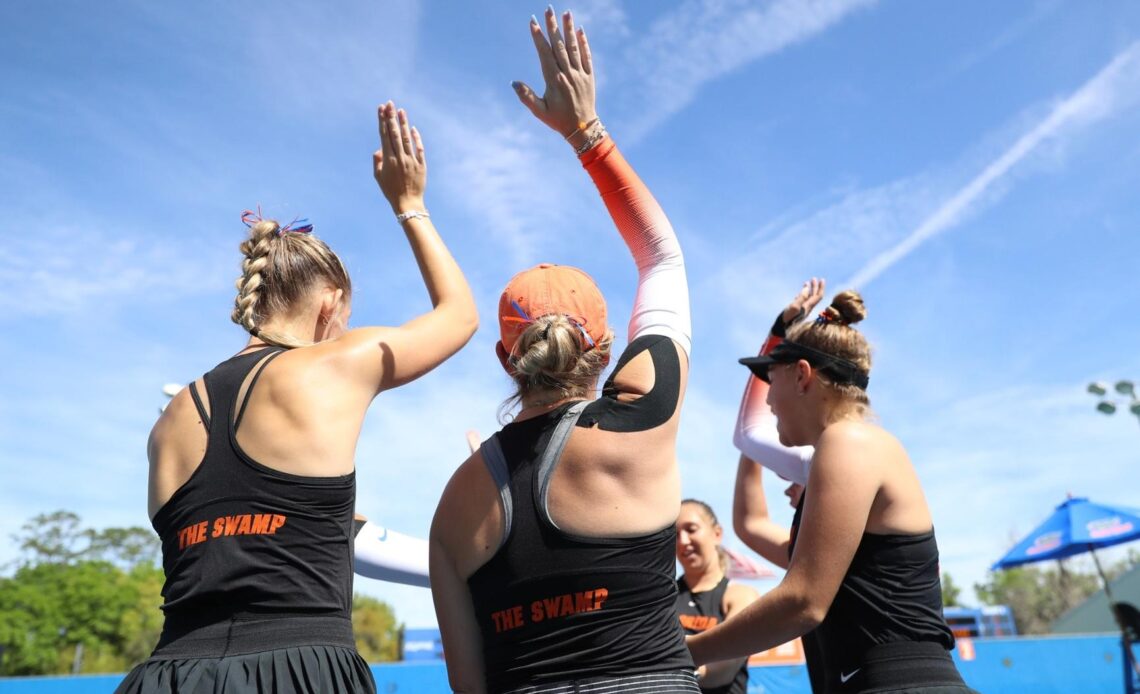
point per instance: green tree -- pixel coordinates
(95, 590)
(1037, 596)
(950, 592)
(48, 609)
(377, 632)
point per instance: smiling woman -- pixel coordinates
(862, 581)
(705, 596)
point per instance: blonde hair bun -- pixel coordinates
(846, 308)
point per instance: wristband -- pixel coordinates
(779, 331)
(414, 214)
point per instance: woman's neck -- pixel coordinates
(535, 407)
(704, 581)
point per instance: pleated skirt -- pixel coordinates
(298, 670)
(243, 656)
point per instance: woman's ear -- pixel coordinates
(332, 302)
(803, 376)
(504, 358)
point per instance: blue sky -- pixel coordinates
(973, 167)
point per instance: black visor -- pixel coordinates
(839, 371)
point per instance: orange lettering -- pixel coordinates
(260, 524)
(600, 596)
(567, 605)
(536, 611)
(278, 521)
(551, 605)
(583, 601)
(231, 525)
(217, 528)
(243, 526)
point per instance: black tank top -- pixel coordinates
(892, 593)
(240, 538)
(554, 607)
(702, 611)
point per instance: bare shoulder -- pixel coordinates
(740, 594)
(859, 438)
(468, 522)
(180, 417)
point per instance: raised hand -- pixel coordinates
(567, 104)
(399, 165)
(810, 295)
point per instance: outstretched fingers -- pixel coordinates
(529, 99)
(557, 45)
(584, 51)
(545, 54)
(405, 133)
(573, 50)
(392, 144)
(419, 144)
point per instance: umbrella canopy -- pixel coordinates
(1077, 526)
(741, 566)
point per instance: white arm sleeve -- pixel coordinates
(387, 555)
(755, 436)
(662, 303)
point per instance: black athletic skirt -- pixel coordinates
(281, 655)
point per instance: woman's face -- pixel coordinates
(697, 539)
(783, 399)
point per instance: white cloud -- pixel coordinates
(1113, 88)
(703, 40)
(75, 266)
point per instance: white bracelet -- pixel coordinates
(414, 214)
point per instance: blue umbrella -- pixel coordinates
(1077, 526)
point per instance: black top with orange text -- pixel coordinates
(556, 607)
(241, 538)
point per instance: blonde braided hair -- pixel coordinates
(278, 270)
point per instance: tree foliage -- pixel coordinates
(377, 632)
(99, 591)
(1039, 594)
(951, 593)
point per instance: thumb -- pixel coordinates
(529, 99)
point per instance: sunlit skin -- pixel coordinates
(697, 540)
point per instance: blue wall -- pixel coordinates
(1086, 664)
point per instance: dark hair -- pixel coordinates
(722, 557)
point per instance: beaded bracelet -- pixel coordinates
(592, 140)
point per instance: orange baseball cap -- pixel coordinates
(547, 289)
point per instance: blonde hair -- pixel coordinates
(832, 334)
(549, 356)
(278, 271)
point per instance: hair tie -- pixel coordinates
(249, 218)
(254, 331)
(527, 320)
(825, 318)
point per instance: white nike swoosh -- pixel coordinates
(844, 677)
